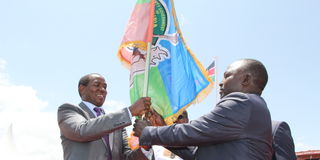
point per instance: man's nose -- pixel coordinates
(221, 83)
(102, 89)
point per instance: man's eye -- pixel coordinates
(226, 75)
(96, 85)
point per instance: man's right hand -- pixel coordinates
(141, 106)
(154, 118)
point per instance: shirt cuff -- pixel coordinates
(129, 112)
(148, 154)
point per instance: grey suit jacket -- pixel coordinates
(238, 128)
(81, 134)
(283, 145)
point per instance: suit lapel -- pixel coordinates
(87, 110)
(91, 115)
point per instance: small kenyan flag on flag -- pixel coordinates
(211, 71)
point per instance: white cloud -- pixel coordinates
(35, 134)
(3, 75)
(19, 98)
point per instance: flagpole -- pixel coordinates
(146, 73)
(149, 45)
(216, 78)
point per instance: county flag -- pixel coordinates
(176, 77)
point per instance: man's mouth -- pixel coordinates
(100, 96)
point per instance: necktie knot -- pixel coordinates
(98, 110)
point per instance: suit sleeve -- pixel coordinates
(183, 152)
(283, 143)
(225, 122)
(76, 125)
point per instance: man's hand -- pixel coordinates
(154, 118)
(138, 127)
(141, 106)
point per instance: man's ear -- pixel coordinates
(81, 89)
(246, 79)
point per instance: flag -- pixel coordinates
(212, 71)
(176, 77)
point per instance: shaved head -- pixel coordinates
(258, 71)
(245, 75)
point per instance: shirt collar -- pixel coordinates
(91, 107)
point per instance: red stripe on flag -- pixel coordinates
(211, 71)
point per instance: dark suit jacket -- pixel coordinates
(238, 128)
(81, 134)
(283, 145)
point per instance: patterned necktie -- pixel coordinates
(99, 112)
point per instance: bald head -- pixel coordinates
(246, 75)
(258, 71)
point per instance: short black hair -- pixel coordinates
(85, 80)
(258, 71)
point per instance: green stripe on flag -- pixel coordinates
(143, 1)
(157, 92)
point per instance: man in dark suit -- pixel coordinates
(87, 133)
(238, 128)
(283, 145)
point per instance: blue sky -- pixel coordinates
(46, 46)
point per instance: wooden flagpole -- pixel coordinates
(149, 45)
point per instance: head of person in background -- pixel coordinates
(183, 118)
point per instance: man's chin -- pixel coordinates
(99, 104)
(100, 101)
(222, 95)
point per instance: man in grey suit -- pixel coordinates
(89, 134)
(238, 128)
(283, 145)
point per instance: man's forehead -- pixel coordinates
(235, 66)
(96, 78)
